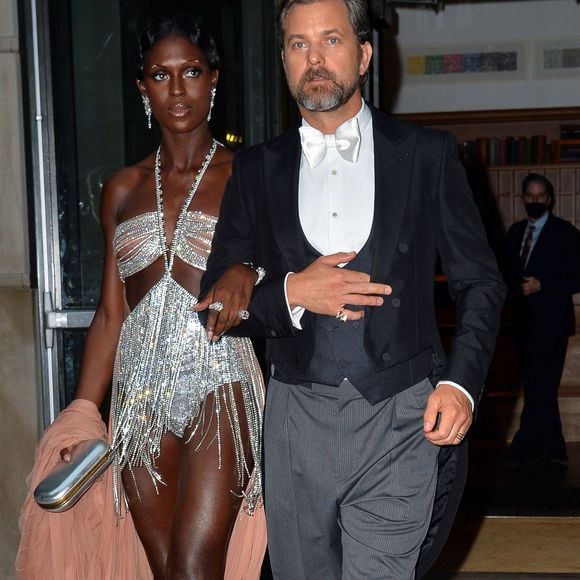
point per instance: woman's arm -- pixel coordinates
(101, 342)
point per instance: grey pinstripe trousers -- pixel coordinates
(349, 486)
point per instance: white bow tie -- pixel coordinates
(347, 139)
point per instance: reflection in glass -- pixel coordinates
(99, 120)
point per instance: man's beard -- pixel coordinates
(322, 98)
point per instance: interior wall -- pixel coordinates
(528, 27)
(19, 386)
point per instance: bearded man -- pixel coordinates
(365, 416)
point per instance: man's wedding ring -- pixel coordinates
(243, 314)
(341, 315)
(460, 436)
(217, 306)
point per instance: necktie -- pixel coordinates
(527, 246)
(347, 139)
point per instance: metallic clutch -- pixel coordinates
(66, 484)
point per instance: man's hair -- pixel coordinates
(180, 25)
(357, 15)
(537, 178)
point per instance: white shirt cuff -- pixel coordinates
(294, 313)
(460, 388)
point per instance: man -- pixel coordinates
(347, 217)
(545, 255)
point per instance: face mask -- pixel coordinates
(536, 209)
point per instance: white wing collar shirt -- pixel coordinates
(336, 188)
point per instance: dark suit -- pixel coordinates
(423, 206)
(543, 323)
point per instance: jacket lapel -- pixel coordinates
(281, 167)
(394, 148)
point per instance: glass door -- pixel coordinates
(87, 121)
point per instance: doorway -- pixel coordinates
(86, 121)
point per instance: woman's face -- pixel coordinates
(178, 82)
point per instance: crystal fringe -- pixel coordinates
(152, 348)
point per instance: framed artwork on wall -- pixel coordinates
(461, 63)
(557, 59)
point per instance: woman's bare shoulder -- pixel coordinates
(125, 183)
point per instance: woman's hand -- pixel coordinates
(228, 300)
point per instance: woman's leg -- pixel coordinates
(152, 511)
(205, 507)
(186, 526)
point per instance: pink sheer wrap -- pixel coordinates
(88, 541)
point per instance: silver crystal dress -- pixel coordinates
(168, 376)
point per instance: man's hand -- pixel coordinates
(448, 416)
(233, 291)
(323, 288)
(530, 285)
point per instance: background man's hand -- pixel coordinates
(323, 288)
(530, 285)
(448, 413)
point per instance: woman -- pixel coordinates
(186, 411)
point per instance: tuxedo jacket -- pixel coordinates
(423, 208)
(555, 261)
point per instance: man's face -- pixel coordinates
(536, 200)
(322, 56)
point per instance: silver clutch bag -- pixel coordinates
(67, 483)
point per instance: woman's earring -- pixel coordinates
(147, 106)
(211, 103)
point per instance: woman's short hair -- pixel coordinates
(166, 26)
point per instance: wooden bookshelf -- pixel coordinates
(509, 137)
(503, 181)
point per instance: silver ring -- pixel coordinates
(460, 436)
(340, 315)
(243, 314)
(217, 306)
